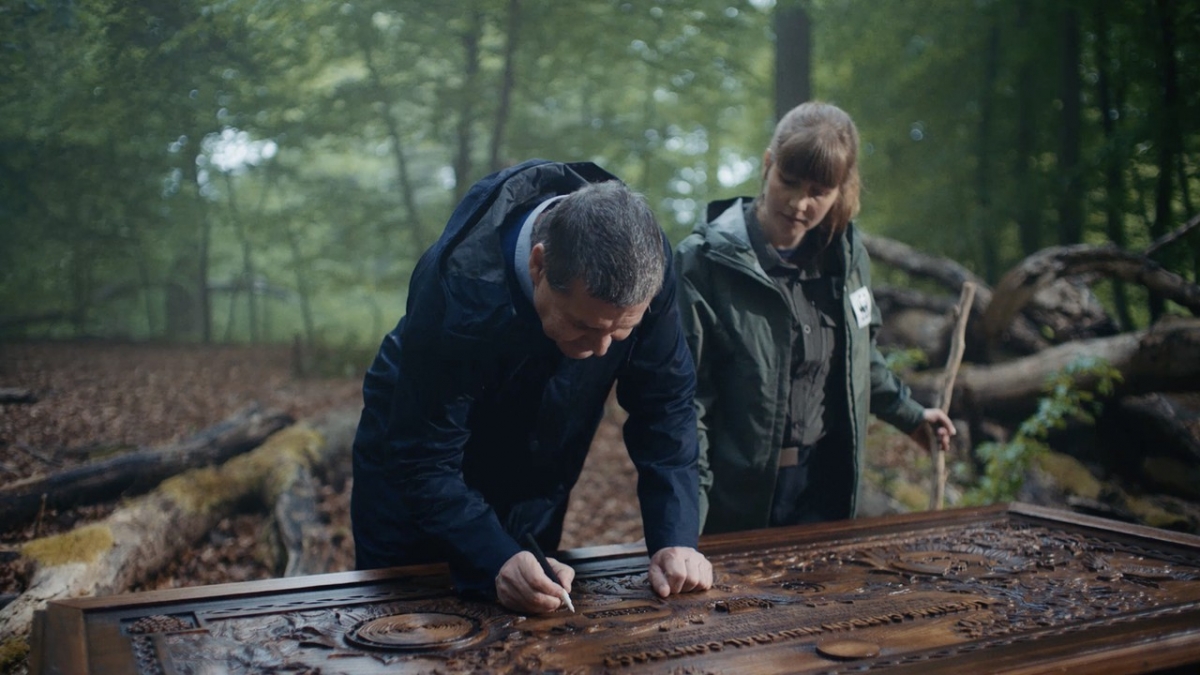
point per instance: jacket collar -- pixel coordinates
(725, 237)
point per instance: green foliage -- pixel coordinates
(900, 360)
(131, 204)
(1074, 394)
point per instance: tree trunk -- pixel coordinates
(507, 83)
(1109, 102)
(393, 131)
(793, 57)
(466, 102)
(205, 297)
(109, 556)
(986, 222)
(1029, 226)
(136, 472)
(1167, 138)
(300, 269)
(1070, 197)
(248, 271)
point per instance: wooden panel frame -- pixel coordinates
(1141, 587)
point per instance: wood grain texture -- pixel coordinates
(1004, 589)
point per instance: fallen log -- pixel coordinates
(1047, 266)
(1166, 422)
(136, 472)
(1022, 336)
(306, 546)
(137, 539)
(912, 319)
(1165, 357)
(15, 395)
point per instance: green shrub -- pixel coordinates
(1073, 394)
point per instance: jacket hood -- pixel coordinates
(468, 259)
(724, 236)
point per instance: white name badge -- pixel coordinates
(860, 300)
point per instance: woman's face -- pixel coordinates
(790, 207)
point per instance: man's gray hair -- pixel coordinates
(605, 235)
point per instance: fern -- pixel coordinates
(1066, 400)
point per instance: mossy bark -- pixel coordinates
(147, 532)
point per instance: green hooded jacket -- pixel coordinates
(739, 329)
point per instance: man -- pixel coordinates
(550, 282)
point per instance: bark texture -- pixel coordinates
(133, 473)
(109, 556)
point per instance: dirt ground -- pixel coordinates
(96, 398)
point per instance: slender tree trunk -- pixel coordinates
(1189, 211)
(1167, 139)
(300, 267)
(80, 290)
(248, 271)
(507, 83)
(649, 109)
(986, 224)
(1028, 222)
(1114, 158)
(793, 56)
(393, 131)
(204, 301)
(1070, 209)
(466, 103)
(147, 287)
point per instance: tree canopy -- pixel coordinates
(258, 169)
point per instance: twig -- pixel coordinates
(953, 361)
(1171, 237)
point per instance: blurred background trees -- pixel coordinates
(270, 170)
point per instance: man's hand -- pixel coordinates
(679, 569)
(523, 587)
(934, 420)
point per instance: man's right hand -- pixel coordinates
(523, 587)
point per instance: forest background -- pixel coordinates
(270, 170)
(208, 185)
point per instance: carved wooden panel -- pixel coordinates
(1001, 589)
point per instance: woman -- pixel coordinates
(780, 320)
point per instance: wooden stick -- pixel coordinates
(953, 361)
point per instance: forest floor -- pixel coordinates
(96, 398)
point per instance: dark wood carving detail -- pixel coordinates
(145, 656)
(878, 600)
(159, 623)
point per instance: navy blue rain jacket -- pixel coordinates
(475, 427)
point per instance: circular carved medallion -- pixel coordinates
(415, 631)
(847, 649)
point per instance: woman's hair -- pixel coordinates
(819, 142)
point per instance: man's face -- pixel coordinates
(579, 324)
(791, 207)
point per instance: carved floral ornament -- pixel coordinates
(935, 593)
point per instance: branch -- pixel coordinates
(958, 344)
(1019, 284)
(1165, 357)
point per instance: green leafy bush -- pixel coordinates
(1074, 394)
